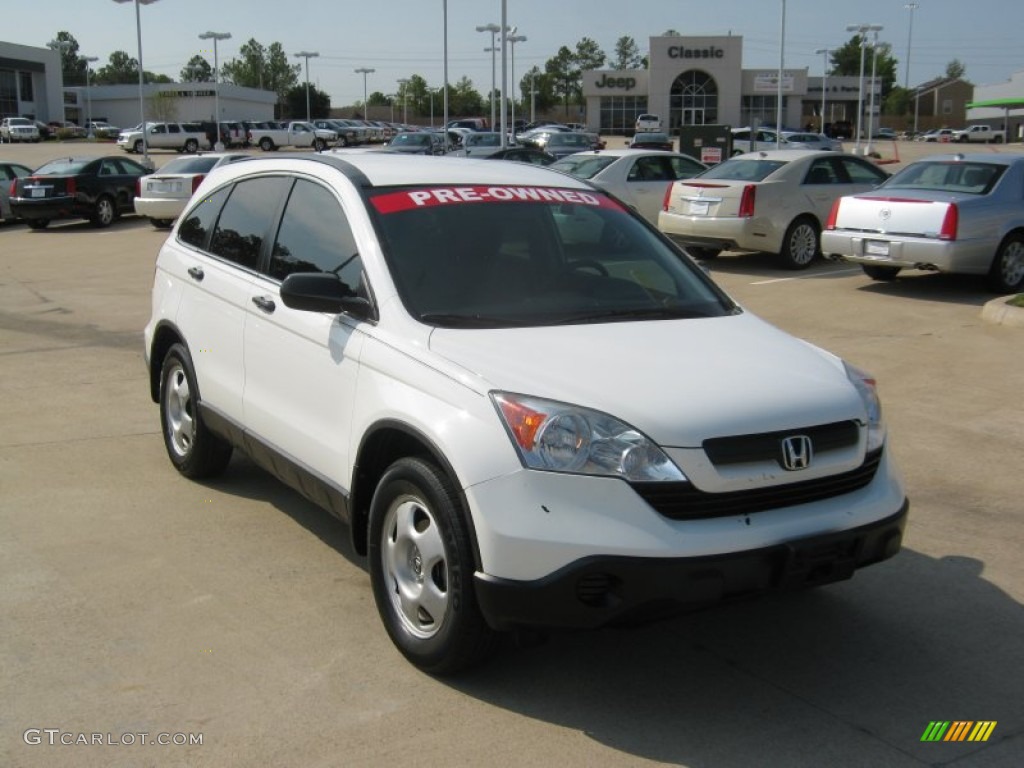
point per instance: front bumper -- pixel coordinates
(602, 590)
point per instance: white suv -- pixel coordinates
(648, 123)
(531, 409)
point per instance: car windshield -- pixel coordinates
(20, 121)
(190, 165)
(583, 166)
(412, 139)
(64, 167)
(971, 178)
(501, 256)
(568, 140)
(651, 137)
(743, 169)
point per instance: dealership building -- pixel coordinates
(701, 81)
(30, 82)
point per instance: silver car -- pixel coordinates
(947, 213)
(163, 195)
(804, 140)
(638, 177)
(8, 173)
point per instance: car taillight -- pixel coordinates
(950, 223)
(196, 181)
(747, 202)
(668, 196)
(138, 187)
(14, 185)
(830, 223)
(70, 188)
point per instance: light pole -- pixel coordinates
(493, 29)
(142, 102)
(906, 77)
(504, 74)
(307, 55)
(861, 30)
(871, 97)
(444, 10)
(404, 83)
(215, 36)
(512, 40)
(88, 96)
(824, 81)
(533, 99)
(364, 71)
(778, 87)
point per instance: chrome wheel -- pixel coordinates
(800, 245)
(414, 566)
(1010, 266)
(104, 215)
(178, 415)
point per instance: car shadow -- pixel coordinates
(848, 674)
(969, 290)
(769, 265)
(75, 226)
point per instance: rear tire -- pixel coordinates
(421, 569)
(193, 450)
(876, 272)
(162, 223)
(266, 144)
(801, 244)
(1007, 272)
(703, 253)
(191, 146)
(38, 223)
(137, 147)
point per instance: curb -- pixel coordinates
(999, 312)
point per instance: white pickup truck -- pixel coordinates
(980, 133)
(183, 137)
(295, 134)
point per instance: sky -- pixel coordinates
(400, 38)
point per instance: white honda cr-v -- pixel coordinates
(531, 409)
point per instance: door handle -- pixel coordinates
(196, 273)
(264, 303)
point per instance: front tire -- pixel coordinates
(703, 254)
(38, 223)
(876, 272)
(421, 569)
(191, 146)
(266, 144)
(800, 246)
(193, 450)
(319, 145)
(137, 147)
(1007, 272)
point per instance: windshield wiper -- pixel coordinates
(457, 320)
(614, 315)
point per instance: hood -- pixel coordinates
(678, 381)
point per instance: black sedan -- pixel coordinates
(523, 155)
(95, 188)
(652, 140)
(417, 143)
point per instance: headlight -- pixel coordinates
(558, 437)
(867, 388)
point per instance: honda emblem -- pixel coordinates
(797, 452)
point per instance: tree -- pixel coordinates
(263, 67)
(377, 99)
(627, 54)
(121, 69)
(589, 55)
(198, 70)
(900, 101)
(162, 107)
(955, 69)
(544, 98)
(464, 99)
(564, 76)
(846, 62)
(319, 102)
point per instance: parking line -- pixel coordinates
(805, 277)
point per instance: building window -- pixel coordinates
(761, 110)
(619, 113)
(26, 86)
(693, 100)
(947, 106)
(8, 93)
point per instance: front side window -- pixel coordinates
(862, 172)
(244, 222)
(315, 236)
(499, 256)
(198, 224)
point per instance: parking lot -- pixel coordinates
(138, 602)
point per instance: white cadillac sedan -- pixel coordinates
(638, 177)
(946, 213)
(162, 196)
(529, 408)
(774, 201)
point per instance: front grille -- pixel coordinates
(682, 501)
(767, 446)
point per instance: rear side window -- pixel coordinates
(314, 236)
(243, 224)
(195, 229)
(862, 172)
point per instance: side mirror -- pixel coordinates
(323, 292)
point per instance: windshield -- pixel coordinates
(583, 166)
(190, 165)
(743, 169)
(478, 256)
(64, 167)
(416, 139)
(972, 178)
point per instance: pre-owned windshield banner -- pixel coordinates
(423, 197)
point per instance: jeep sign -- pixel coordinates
(626, 83)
